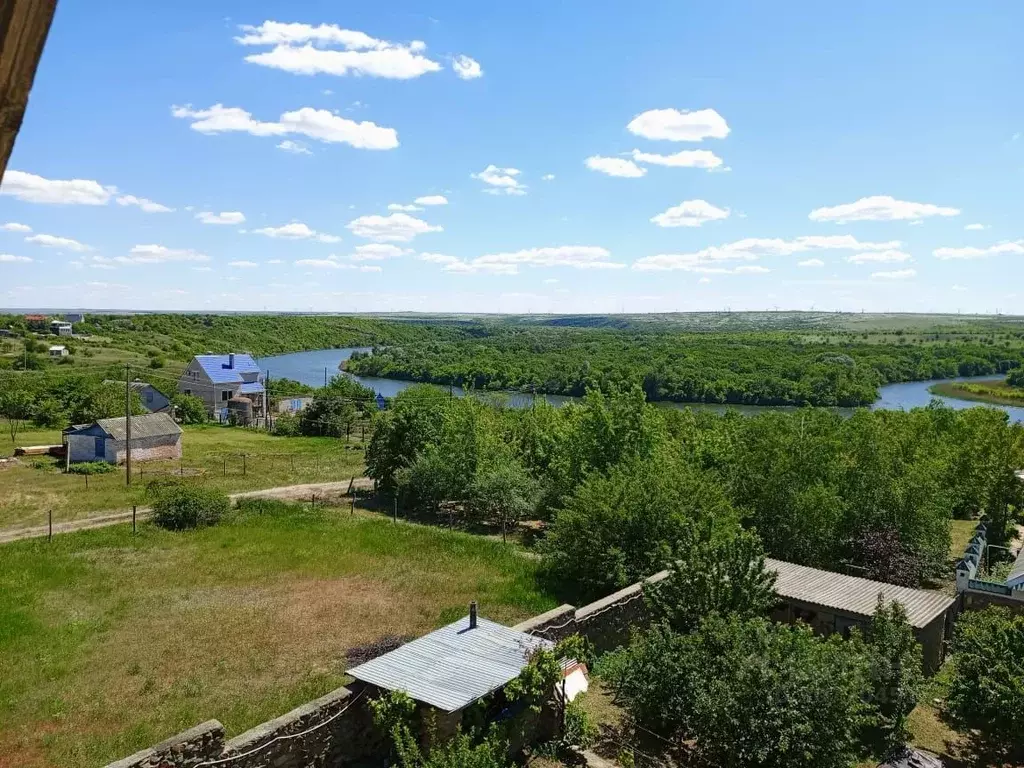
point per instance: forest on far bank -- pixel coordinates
(743, 368)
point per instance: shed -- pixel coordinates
(454, 666)
(58, 350)
(154, 436)
(834, 602)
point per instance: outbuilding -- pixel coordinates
(59, 350)
(834, 602)
(154, 436)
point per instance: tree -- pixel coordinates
(16, 407)
(328, 415)
(1015, 378)
(401, 432)
(504, 493)
(886, 558)
(747, 693)
(617, 529)
(896, 674)
(189, 409)
(724, 576)
(986, 691)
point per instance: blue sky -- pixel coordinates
(593, 157)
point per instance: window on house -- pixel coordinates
(225, 395)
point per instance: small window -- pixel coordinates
(225, 395)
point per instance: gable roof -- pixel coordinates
(852, 594)
(453, 666)
(147, 425)
(216, 367)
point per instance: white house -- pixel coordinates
(222, 379)
(59, 350)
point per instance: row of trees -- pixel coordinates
(739, 368)
(623, 484)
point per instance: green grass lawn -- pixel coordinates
(111, 642)
(35, 485)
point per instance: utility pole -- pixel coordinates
(266, 402)
(127, 425)
(325, 375)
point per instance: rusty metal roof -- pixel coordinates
(453, 666)
(852, 594)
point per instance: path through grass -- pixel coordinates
(111, 642)
(36, 485)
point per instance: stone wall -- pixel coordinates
(334, 730)
(606, 623)
(190, 748)
(145, 448)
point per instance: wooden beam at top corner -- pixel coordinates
(24, 25)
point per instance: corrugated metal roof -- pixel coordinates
(147, 425)
(216, 367)
(453, 666)
(852, 594)
(251, 388)
(1016, 578)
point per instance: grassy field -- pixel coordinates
(111, 642)
(996, 391)
(960, 532)
(36, 484)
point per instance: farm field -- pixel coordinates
(110, 642)
(36, 485)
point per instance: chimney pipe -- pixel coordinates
(231, 360)
(472, 615)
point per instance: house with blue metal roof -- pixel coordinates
(230, 384)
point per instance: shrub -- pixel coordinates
(189, 409)
(180, 506)
(91, 468)
(287, 425)
(580, 730)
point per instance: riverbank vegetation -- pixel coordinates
(735, 368)
(623, 484)
(112, 642)
(997, 391)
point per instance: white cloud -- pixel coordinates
(975, 227)
(295, 147)
(332, 262)
(958, 288)
(52, 241)
(296, 230)
(302, 49)
(501, 180)
(13, 226)
(275, 261)
(147, 206)
(873, 257)
(36, 189)
(431, 200)
(754, 248)
(224, 217)
(576, 256)
(687, 158)
(679, 125)
(1016, 248)
(242, 264)
(100, 286)
(316, 124)
(880, 208)
(615, 166)
(467, 68)
(551, 281)
(690, 213)
(899, 274)
(8, 258)
(704, 280)
(149, 254)
(401, 207)
(813, 263)
(398, 227)
(548, 177)
(377, 252)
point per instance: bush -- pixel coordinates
(287, 425)
(580, 730)
(91, 468)
(189, 409)
(180, 506)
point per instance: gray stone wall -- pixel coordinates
(145, 448)
(190, 748)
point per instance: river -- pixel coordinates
(319, 365)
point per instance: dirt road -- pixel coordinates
(306, 492)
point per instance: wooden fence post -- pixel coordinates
(133, 518)
(49, 518)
